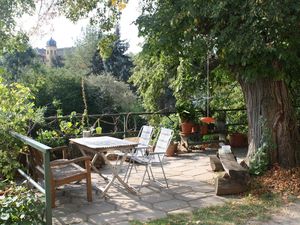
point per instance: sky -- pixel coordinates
(65, 32)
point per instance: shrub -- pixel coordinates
(16, 110)
(21, 206)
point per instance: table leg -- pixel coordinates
(93, 164)
(115, 172)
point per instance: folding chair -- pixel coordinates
(153, 158)
(144, 138)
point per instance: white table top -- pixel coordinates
(103, 142)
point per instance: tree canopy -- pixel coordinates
(9, 11)
(257, 42)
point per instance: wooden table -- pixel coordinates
(102, 146)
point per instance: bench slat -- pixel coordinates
(232, 167)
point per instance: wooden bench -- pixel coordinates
(236, 177)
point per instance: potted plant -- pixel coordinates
(238, 140)
(206, 124)
(186, 114)
(237, 136)
(203, 128)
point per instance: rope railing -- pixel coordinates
(125, 122)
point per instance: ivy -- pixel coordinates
(21, 206)
(260, 161)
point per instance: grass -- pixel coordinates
(234, 212)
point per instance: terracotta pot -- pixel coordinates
(172, 149)
(186, 127)
(195, 128)
(203, 129)
(238, 140)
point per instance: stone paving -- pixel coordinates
(190, 187)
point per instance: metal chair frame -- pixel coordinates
(153, 158)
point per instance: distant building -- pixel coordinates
(53, 56)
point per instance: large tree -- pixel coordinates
(87, 57)
(16, 63)
(256, 41)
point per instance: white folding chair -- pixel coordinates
(153, 158)
(144, 138)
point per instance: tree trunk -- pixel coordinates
(269, 99)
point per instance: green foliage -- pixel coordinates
(186, 111)
(210, 137)
(226, 92)
(70, 127)
(107, 12)
(17, 62)
(21, 206)
(259, 162)
(67, 128)
(252, 39)
(106, 46)
(171, 122)
(119, 64)
(107, 94)
(85, 57)
(63, 85)
(50, 138)
(151, 76)
(104, 93)
(10, 10)
(16, 110)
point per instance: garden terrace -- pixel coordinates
(190, 187)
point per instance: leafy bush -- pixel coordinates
(59, 135)
(16, 110)
(170, 122)
(107, 94)
(50, 138)
(210, 137)
(21, 206)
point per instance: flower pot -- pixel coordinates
(86, 133)
(238, 140)
(186, 127)
(195, 128)
(203, 129)
(172, 149)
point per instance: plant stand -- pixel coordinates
(189, 140)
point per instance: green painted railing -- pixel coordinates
(45, 150)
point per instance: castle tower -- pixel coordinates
(51, 52)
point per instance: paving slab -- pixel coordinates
(190, 187)
(170, 205)
(145, 216)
